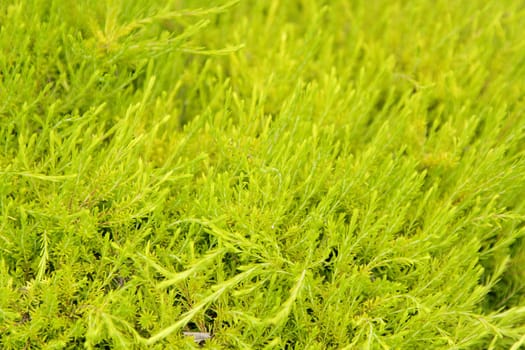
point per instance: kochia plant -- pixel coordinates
(262, 174)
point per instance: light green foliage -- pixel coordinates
(284, 174)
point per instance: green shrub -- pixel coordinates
(282, 174)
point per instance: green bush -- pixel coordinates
(281, 174)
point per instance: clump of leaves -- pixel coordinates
(262, 174)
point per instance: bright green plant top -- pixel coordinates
(281, 174)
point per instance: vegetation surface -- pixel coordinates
(281, 174)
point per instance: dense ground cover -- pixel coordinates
(303, 174)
